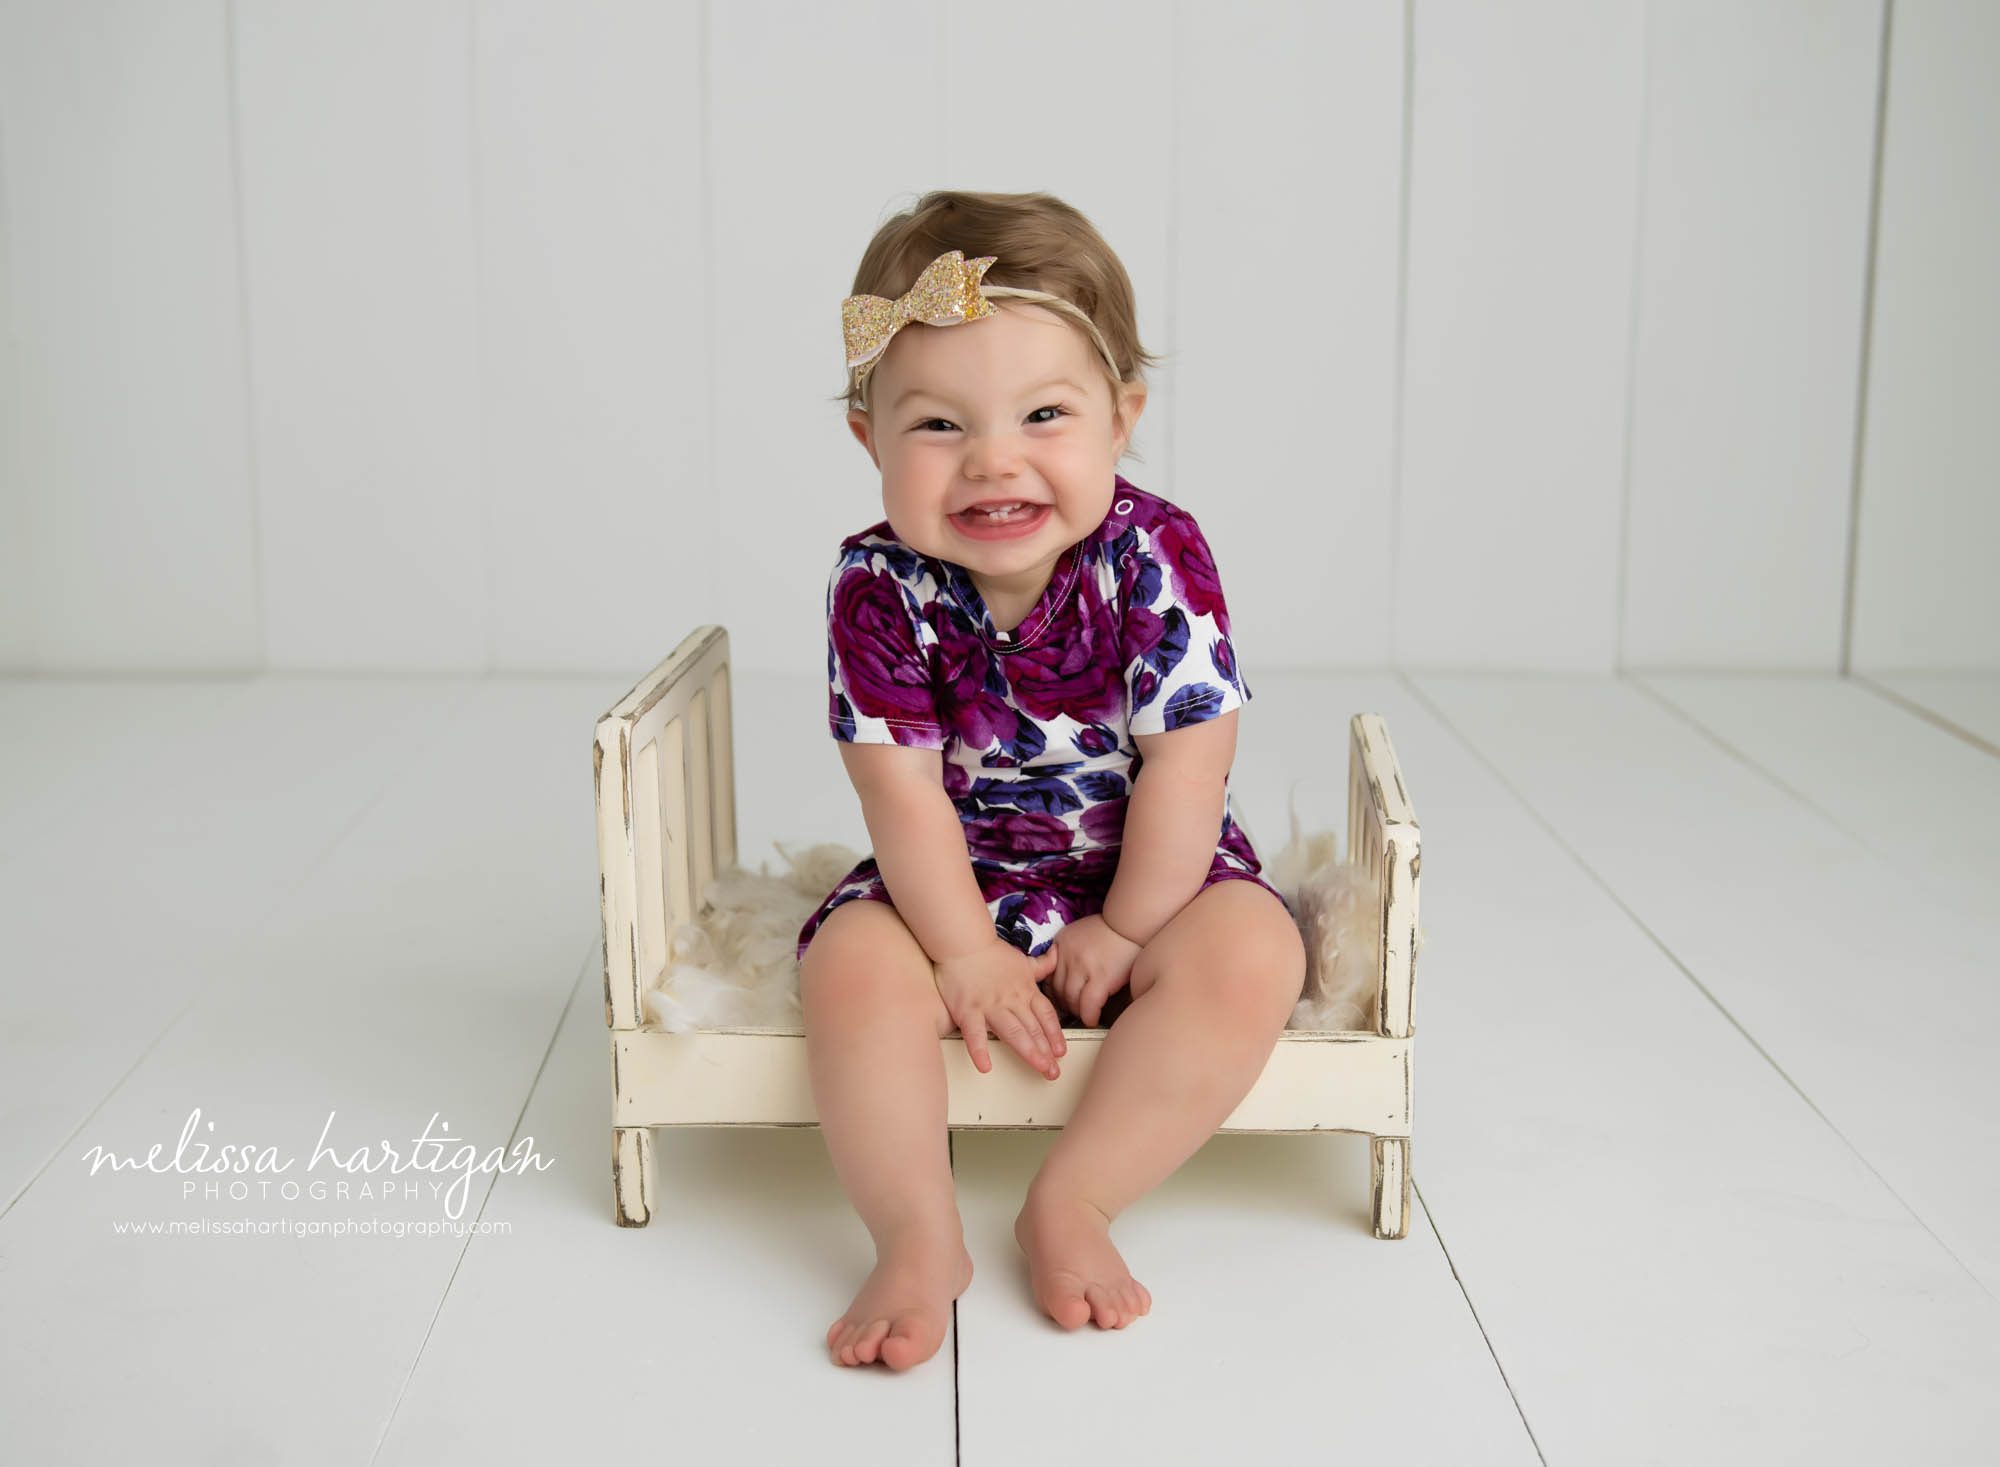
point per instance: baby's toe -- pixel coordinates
(1104, 1305)
(913, 1339)
(868, 1344)
(1066, 1302)
(848, 1349)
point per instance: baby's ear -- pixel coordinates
(863, 428)
(1131, 405)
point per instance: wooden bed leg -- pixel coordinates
(632, 1174)
(1389, 1171)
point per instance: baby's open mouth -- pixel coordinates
(999, 514)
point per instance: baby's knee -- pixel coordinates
(864, 991)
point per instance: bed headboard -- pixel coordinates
(664, 773)
(1382, 838)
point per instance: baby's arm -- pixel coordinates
(882, 709)
(1171, 825)
(920, 846)
(985, 982)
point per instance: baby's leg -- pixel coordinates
(873, 1018)
(1211, 993)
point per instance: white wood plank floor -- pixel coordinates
(1967, 703)
(1704, 1155)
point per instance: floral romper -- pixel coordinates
(1036, 724)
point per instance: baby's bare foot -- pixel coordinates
(899, 1316)
(1076, 1273)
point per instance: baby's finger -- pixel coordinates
(1031, 1020)
(973, 1028)
(1051, 1025)
(1038, 1034)
(1074, 989)
(1090, 1001)
(1025, 1038)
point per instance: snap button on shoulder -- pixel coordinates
(1123, 506)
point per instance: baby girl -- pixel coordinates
(1023, 635)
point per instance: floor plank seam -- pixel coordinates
(957, 1436)
(1928, 715)
(1430, 1221)
(1899, 870)
(1674, 958)
(592, 959)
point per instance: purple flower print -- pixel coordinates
(1180, 665)
(1034, 891)
(1009, 835)
(881, 666)
(1158, 642)
(1223, 653)
(1050, 793)
(1179, 546)
(971, 699)
(1073, 675)
(1105, 822)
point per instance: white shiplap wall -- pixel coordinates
(1752, 275)
(1926, 589)
(501, 334)
(128, 502)
(1524, 180)
(356, 140)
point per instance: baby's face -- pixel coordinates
(1015, 406)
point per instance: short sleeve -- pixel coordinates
(1180, 665)
(879, 688)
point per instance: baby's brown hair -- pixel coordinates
(1040, 243)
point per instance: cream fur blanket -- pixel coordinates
(736, 965)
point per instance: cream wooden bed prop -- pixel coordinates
(666, 823)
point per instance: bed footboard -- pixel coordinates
(663, 768)
(1383, 839)
(666, 812)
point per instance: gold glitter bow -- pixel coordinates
(946, 294)
(950, 292)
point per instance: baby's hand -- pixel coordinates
(1092, 963)
(994, 988)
